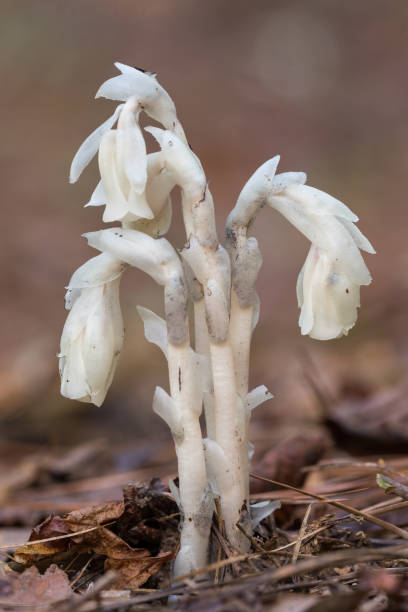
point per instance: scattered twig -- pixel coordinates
(368, 517)
(302, 532)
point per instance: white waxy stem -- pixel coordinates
(186, 170)
(90, 146)
(181, 410)
(155, 100)
(251, 199)
(93, 333)
(246, 261)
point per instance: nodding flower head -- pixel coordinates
(328, 286)
(93, 333)
(327, 296)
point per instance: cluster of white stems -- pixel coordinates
(219, 282)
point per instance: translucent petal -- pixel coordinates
(96, 271)
(139, 250)
(319, 202)
(98, 197)
(155, 328)
(361, 241)
(130, 147)
(90, 146)
(72, 372)
(116, 206)
(329, 308)
(327, 233)
(99, 351)
(150, 94)
(139, 206)
(284, 179)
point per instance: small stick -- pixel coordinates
(302, 532)
(368, 517)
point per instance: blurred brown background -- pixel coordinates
(322, 83)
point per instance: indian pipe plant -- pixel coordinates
(211, 373)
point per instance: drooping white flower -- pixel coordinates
(155, 257)
(328, 287)
(90, 146)
(155, 100)
(93, 332)
(157, 193)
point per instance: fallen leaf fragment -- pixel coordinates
(31, 588)
(93, 530)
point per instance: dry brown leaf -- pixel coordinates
(133, 565)
(31, 588)
(132, 573)
(285, 462)
(382, 417)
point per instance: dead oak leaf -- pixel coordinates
(132, 573)
(31, 588)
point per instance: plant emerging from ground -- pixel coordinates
(135, 189)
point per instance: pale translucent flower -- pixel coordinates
(90, 146)
(93, 333)
(155, 100)
(327, 296)
(328, 287)
(157, 193)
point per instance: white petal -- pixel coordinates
(90, 146)
(99, 351)
(156, 227)
(299, 287)
(138, 205)
(131, 148)
(284, 179)
(117, 206)
(326, 232)
(257, 396)
(96, 271)
(155, 328)
(150, 94)
(331, 300)
(155, 257)
(319, 202)
(167, 409)
(98, 197)
(361, 241)
(72, 372)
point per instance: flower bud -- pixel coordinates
(93, 333)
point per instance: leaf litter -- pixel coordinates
(338, 541)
